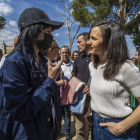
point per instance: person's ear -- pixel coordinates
(51, 50)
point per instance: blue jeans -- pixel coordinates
(103, 133)
(66, 113)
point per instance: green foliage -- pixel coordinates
(133, 30)
(2, 22)
(88, 12)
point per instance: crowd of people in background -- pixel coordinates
(35, 74)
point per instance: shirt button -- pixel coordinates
(40, 75)
(34, 75)
(48, 119)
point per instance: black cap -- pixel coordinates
(35, 15)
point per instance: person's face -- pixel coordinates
(47, 30)
(65, 53)
(55, 50)
(15, 40)
(75, 55)
(81, 44)
(96, 41)
(136, 55)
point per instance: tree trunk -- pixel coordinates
(122, 12)
(71, 40)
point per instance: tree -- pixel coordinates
(134, 31)
(69, 21)
(125, 12)
(2, 22)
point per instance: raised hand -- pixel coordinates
(54, 69)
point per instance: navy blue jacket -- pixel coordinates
(25, 100)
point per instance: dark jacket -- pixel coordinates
(25, 99)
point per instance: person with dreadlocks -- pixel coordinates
(29, 107)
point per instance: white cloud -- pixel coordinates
(71, 10)
(70, 0)
(8, 36)
(55, 7)
(56, 34)
(5, 0)
(15, 30)
(13, 23)
(5, 9)
(65, 25)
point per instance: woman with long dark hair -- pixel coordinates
(113, 76)
(74, 55)
(29, 108)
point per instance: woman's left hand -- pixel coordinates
(85, 90)
(113, 127)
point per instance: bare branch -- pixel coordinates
(130, 14)
(75, 34)
(132, 20)
(62, 15)
(70, 8)
(115, 15)
(60, 1)
(68, 17)
(110, 16)
(71, 17)
(71, 24)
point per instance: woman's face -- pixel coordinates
(55, 50)
(96, 42)
(47, 30)
(136, 55)
(75, 55)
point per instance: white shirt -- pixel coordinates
(109, 98)
(2, 60)
(67, 69)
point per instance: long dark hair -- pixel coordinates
(116, 47)
(72, 56)
(27, 37)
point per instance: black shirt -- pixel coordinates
(80, 67)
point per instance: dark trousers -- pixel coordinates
(138, 131)
(66, 113)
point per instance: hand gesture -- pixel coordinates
(54, 69)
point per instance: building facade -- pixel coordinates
(6, 49)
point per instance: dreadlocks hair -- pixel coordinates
(27, 38)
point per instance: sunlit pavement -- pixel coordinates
(72, 132)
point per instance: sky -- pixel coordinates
(11, 10)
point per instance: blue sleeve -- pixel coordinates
(20, 100)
